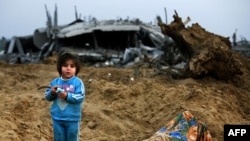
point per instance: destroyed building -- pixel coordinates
(93, 40)
(123, 42)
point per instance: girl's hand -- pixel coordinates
(53, 90)
(62, 95)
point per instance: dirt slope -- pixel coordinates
(118, 106)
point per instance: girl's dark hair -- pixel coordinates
(65, 57)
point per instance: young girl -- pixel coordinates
(67, 93)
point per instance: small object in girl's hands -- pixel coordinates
(59, 90)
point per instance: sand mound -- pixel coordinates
(119, 106)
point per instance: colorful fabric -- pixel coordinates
(184, 127)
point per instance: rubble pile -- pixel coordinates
(206, 53)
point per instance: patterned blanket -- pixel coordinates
(184, 127)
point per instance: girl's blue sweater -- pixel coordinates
(68, 109)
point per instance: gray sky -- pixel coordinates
(222, 17)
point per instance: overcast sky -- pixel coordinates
(222, 17)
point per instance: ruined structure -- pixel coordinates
(174, 48)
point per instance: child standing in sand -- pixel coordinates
(67, 93)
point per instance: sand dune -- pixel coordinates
(117, 107)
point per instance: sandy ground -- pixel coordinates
(117, 107)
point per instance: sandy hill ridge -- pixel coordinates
(117, 107)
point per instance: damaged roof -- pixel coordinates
(82, 28)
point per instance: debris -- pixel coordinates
(173, 49)
(205, 53)
(183, 127)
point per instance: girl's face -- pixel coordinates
(68, 69)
